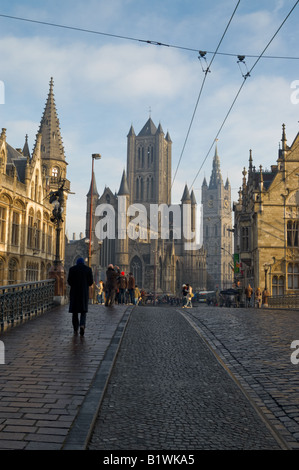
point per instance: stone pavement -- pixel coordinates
(168, 390)
(46, 381)
(151, 378)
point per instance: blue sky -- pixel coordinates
(103, 84)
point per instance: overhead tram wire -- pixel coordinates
(129, 38)
(239, 91)
(200, 91)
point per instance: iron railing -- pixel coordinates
(284, 301)
(21, 301)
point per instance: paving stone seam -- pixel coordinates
(83, 424)
(278, 437)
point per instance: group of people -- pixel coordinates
(187, 295)
(261, 297)
(118, 288)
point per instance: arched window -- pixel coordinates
(136, 270)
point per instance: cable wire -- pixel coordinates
(200, 92)
(239, 91)
(130, 38)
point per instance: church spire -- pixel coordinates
(216, 177)
(51, 141)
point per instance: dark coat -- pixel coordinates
(111, 279)
(79, 278)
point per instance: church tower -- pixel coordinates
(149, 165)
(54, 165)
(217, 228)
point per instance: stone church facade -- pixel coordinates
(158, 259)
(27, 233)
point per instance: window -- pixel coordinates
(2, 224)
(55, 172)
(277, 285)
(245, 239)
(12, 271)
(293, 276)
(31, 272)
(1, 271)
(30, 232)
(292, 233)
(15, 229)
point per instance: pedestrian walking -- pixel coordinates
(184, 294)
(111, 285)
(131, 287)
(123, 283)
(258, 297)
(248, 294)
(189, 296)
(100, 292)
(136, 295)
(80, 278)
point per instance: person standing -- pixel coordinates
(258, 297)
(131, 287)
(100, 292)
(111, 285)
(189, 296)
(248, 294)
(123, 283)
(80, 278)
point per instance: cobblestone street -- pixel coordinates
(169, 391)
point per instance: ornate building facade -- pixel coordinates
(267, 223)
(27, 233)
(159, 262)
(217, 228)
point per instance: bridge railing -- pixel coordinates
(284, 301)
(20, 301)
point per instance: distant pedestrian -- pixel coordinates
(111, 285)
(131, 287)
(100, 292)
(258, 297)
(189, 296)
(136, 295)
(248, 294)
(184, 294)
(123, 283)
(80, 279)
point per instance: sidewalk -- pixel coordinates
(47, 401)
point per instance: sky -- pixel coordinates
(107, 77)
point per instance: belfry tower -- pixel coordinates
(217, 228)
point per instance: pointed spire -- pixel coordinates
(149, 128)
(131, 131)
(167, 137)
(51, 144)
(26, 151)
(193, 199)
(216, 177)
(93, 187)
(284, 142)
(186, 194)
(160, 130)
(204, 183)
(123, 189)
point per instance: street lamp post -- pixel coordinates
(56, 198)
(94, 156)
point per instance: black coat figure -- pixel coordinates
(80, 278)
